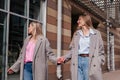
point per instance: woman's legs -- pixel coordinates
(28, 72)
(80, 71)
(83, 66)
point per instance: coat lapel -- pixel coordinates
(76, 40)
(39, 40)
(92, 44)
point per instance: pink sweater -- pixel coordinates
(29, 51)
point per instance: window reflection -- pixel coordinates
(16, 35)
(34, 9)
(18, 6)
(1, 41)
(2, 18)
(2, 4)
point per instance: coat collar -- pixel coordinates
(38, 43)
(92, 31)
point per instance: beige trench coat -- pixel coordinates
(96, 58)
(41, 53)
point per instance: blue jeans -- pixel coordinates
(28, 72)
(83, 66)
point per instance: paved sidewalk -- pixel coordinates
(112, 75)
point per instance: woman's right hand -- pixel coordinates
(60, 60)
(10, 71)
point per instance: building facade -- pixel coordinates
(17, 14)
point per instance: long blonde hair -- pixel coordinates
(87, 18)
(37, 29)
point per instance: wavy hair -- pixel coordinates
(37, 30)
(87, 18)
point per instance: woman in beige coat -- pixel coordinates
(32, 61)
(86, 51)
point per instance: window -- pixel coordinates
(15, 16)
(2, 46)
(18, 6)
(34, 9)
(2, 4)
(16, 37)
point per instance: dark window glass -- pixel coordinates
(34, 9)
(2, 4)
(18, 6)
(2, 26)
(16, 37)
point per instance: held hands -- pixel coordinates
(60, 60)
(10, 71)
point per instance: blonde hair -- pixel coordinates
(37, 30)
(87, 18)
